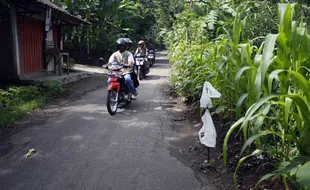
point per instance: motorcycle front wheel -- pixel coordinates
(112, 102)
(140, 73)
(146, 70)
(135, 69)
(151, 63)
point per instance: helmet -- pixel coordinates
(121, 41)
(128, 40)
(141, 42)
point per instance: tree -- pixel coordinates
(110, 19)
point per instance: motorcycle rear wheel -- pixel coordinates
(112, 102)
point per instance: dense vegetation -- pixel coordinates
(110, 19)
(256, 53)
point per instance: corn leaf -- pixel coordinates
(255, 153)
(230, 131)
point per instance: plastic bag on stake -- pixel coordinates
(208, 92)
(207, 134)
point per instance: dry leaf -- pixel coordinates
(31, 152)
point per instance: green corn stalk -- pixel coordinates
(280, 106)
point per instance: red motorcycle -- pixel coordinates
(118, 92)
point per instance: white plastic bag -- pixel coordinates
(208, 92)
(207, 134)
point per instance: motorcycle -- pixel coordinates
(118, 92)
(141, 66)
(151, 57)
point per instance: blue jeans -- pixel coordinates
(129, 83)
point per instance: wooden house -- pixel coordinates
(31, 40)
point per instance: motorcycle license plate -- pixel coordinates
(139, 63)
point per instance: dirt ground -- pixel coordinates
(188, 122)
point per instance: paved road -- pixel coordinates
(82, 147)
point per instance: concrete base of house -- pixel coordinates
(63, 79)
(9, 81)
(5, 79)
(79, 72)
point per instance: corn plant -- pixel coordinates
(278, 101)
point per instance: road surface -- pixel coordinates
(82, 147)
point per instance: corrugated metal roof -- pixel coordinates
(60, 10)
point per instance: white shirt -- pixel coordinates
(130, 57)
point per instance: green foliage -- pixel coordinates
(110, 19)
(260, 64)
(69, 65)
(15, 102)
(281, 105)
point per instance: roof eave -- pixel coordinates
(68, 19)
(61, 14)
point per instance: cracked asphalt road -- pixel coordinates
(80, 146)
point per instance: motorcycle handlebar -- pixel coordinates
(107, 65)
(125, 66)
(140, 56)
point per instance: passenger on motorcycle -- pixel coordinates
(126, 58)
(134, 76)
(128, 44)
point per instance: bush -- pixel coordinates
(50, 89)
(264, 82)
(69, 65)
(15, 102)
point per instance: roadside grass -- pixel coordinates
(16, 102)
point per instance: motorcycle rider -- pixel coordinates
(134, 76)
(125, 57)
(152, 47)
(142, 48)
(152, 51)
